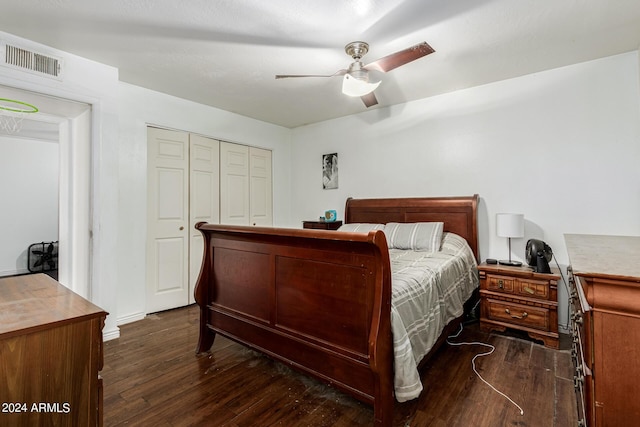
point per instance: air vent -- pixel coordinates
(37, 63)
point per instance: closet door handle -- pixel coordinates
(181, 228)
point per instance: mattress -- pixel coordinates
(428, 291)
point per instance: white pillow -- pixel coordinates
(416, 236)
(360, 227)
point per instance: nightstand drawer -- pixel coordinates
(498, 283)
(524, 315)
(533, 289)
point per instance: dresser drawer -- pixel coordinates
(531, 288)
(581, 353)
(499, 283)
(524, 315)
(582, 375)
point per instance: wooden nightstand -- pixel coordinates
(518, 298)
(322, 225)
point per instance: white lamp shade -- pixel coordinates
(352, 86)
(510, 225)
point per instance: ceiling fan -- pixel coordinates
(356, 78)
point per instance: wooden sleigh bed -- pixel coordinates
(319, 300)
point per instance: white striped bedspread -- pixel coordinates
(428, 291)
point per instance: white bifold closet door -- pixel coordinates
(260, 187)
(245, 185)
(234, 184)
(183, 189)
(204, 196)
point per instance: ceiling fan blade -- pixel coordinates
(288, 76)
(402, 57)
(369, 99)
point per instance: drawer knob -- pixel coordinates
(578, 381)
(529, 290)
(500, 284)
(515, 316)
(578, 319)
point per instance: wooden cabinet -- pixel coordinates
(605, 322)
(518, 298)
(50, 354)
(322, 225)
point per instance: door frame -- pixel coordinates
(75, 229)
(73, 119)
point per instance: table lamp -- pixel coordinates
(510, 225)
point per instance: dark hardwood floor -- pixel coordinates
(153, 377)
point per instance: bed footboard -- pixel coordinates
(319, 301)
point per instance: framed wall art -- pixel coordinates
(330, 171)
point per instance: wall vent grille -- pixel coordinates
(24, 59)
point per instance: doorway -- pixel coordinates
(67, 124)
(29, 172)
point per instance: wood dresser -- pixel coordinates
(604, 277)
(50, 354)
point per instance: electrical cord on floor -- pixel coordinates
(473, 363)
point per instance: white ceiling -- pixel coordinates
(226, 53)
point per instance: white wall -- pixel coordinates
(562, 147)
(28, 197)
(140, 107)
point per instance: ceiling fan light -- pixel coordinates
(352, 86)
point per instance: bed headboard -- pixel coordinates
(459, 214)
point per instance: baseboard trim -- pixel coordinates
(129, 318)
(111, 335)
(13, 272)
